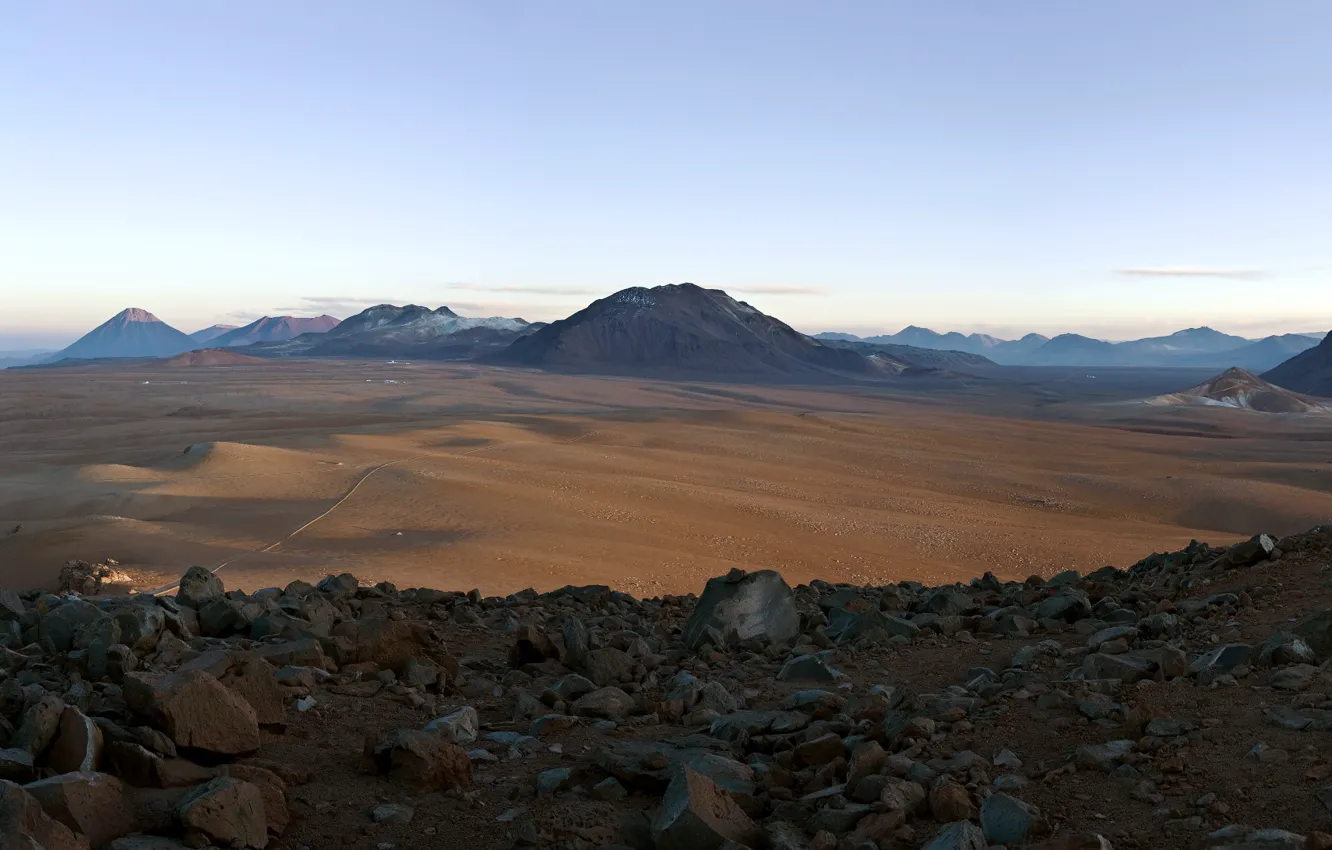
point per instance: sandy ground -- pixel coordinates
(459, 476)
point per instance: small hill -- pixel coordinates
(680, 329)
(129, 333)
(1243, 390)
(214, 357)
(274, 329)
(211, 332)
(1308, 372)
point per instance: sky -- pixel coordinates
(1116, 169)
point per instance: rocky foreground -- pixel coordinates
(1185, 701)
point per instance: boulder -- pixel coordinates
(696, 814)
(743, 606)
(93, 804)
(40, 725)
(1255, 550)
(608, 666)
(225, 811)
(610, 702)
(1005, 819)
(59, 625)
(198, 586)
(459, 727)
(423, 759)
(195, 710)
(255, 680)
(22, 817)
(960, 835)
(78, 743)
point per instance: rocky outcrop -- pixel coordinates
(830, 716)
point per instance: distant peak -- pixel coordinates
(1237, 372)
(135, 314)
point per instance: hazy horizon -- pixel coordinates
(1117, 171)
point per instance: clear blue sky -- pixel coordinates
(843, 165)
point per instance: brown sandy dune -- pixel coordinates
(503, 479)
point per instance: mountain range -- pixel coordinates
(689, 331)
(270, 329)
(386, 330)
(1193, 347)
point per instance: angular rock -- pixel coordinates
(1255, 550)
(960, 835)
(423, 759)
(225, 811)
(1223, 659)
(41, 723)
(696, 814)
(196, 710)
(743, 606)
(93, 804)
(25, 826)
(608, 666)
(78, 743)
(256, 682)
(458, 727)
(1005, 819)
(808, 668)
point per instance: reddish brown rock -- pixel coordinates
(951, 802)
(696, 814)
(196, 710)
(78, 743)
(94, 804)
(423, 759)
(273, 789)
(25, 826)
(225, 811)
(256, 681)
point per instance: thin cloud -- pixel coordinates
(336, 304)
(527, 290)
(1191, 271)
(781, 290)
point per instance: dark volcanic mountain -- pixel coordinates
(210, 333)
(681, 329)
(1309, 372)
(130, 333)
(274, 329)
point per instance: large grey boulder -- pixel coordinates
(743, 606)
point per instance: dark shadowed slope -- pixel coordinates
(1309, 372)
(130, 333)
(680, 329)
(274, 329)
(1257, 357)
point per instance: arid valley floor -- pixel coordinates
(458, 476)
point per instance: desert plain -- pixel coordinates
(459, 476)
